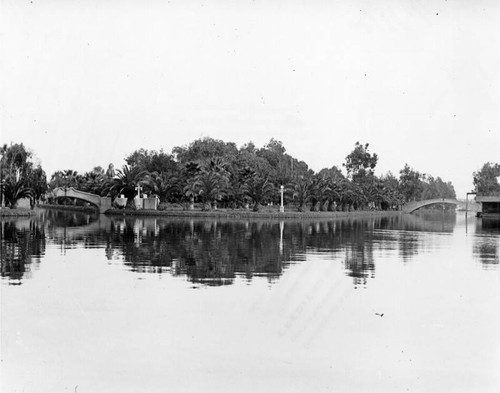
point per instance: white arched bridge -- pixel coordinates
(412, 206)
(102, 203)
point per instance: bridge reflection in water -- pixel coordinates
(214, 252)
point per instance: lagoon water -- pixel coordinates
(380, 304)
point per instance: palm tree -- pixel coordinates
(126, 182)
(164, 185)
(258, 188)
(191, 191)
(319, 192)
(332, 195)
(349, 194)
(211, 186)
(13, 190)
(302, 193)
(235, 194)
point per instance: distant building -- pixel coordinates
(490, 205)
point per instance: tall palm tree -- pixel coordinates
(212, 186)
(165, 185)
(302, 193)
(126, 182)
(258, 188)
(319, 189)
(191, 191)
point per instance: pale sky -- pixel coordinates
(85, 83)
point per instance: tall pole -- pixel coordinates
(282, 208)
(467, 201)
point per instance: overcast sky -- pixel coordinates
(85, 83)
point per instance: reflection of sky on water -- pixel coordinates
(214, 252)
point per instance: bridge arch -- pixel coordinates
(102, 203)
(410, 207)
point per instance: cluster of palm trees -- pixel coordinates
(216, 184)
(321, 193)
(214, 174)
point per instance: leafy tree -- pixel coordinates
(152, 161)
(20, 177)
(486, 179)
(37, 182)
(205, 149)
(360, 163)
(410, 183)
(67, 178)
(436, 188)
(332, 173)
(281, 168)
(392, 198)
(15, 161)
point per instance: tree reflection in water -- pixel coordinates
(216, 252)
(22, 247)
(208, 252)
(487, 242)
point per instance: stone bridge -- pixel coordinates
(102, 203)
(412, 206)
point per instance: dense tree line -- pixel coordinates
(20, 175)
(486, 180)
(214, 173)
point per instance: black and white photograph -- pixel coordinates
(249, 196)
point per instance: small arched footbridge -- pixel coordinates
(102, 203)
(412, 206)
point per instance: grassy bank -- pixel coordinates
(7, 212)
(264, 213)
(237, 213)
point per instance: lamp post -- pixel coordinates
(282, 208)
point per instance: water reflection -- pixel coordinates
(22, 247)
(208, 252)
(214, 252)
(487, 241)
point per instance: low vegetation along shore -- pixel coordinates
(240, 213)
(266, 212)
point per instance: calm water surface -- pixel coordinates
(394, 304)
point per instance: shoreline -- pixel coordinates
(219, 213)
(245, 214)
(8, 212)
